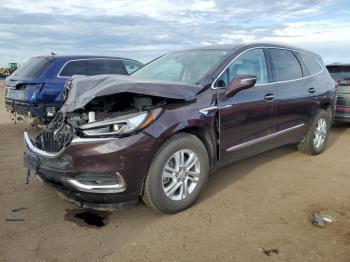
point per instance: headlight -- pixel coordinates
(121, 125)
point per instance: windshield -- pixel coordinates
(339, 73)
(186, 66)
(33, 67)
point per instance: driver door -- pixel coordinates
(247, 118)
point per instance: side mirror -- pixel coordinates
(241, 82)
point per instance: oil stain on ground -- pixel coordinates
(87, 217)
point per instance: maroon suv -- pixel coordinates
(160, 132)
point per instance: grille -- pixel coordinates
(55, 136)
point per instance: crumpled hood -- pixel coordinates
(85, 89)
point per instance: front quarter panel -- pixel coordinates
(177, 117)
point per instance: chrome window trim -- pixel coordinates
(277, 82)
(261, 139)
(89, 59)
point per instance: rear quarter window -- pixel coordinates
(285, 65)
(311, 63)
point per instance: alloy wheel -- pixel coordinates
(320, 133)
(181, 174)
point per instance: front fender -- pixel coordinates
(173, 120)
(189, 120)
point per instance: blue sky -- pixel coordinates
(145, 29)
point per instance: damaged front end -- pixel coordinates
(104, 118)
(90, 148)
(116, 115)
(112, 116)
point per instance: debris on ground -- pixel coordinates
(270, 252)
(328, 219)
(15, 215)
(15, 219)
(19, 209)
(320, 220)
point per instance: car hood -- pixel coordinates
(85, 89)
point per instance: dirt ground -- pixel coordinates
(261, 202)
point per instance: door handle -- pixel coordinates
(269, 97)
(312, 90)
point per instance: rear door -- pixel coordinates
(246, 119)
(296, 93)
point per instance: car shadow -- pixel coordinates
(228, 175)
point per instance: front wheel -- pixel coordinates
(317, 136)
(177, 175)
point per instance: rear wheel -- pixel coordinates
(177, 175)
(317, 136)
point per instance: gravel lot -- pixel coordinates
(261, 202)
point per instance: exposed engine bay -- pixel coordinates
(115, 105)
(110, 105)
(103, 116)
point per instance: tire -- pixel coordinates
(310, 145)
(164, 174)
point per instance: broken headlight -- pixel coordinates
(121, 125)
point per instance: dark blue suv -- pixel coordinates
(33, 92)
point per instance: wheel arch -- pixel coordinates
(328, 107)
(205, 138)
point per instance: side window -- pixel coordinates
(251, 62)
(311, 63)
(105, 66)
(131, 66)
(285, 65)
(74, 68)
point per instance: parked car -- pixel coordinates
(341, 74)
(33, 92)
(160, 132)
